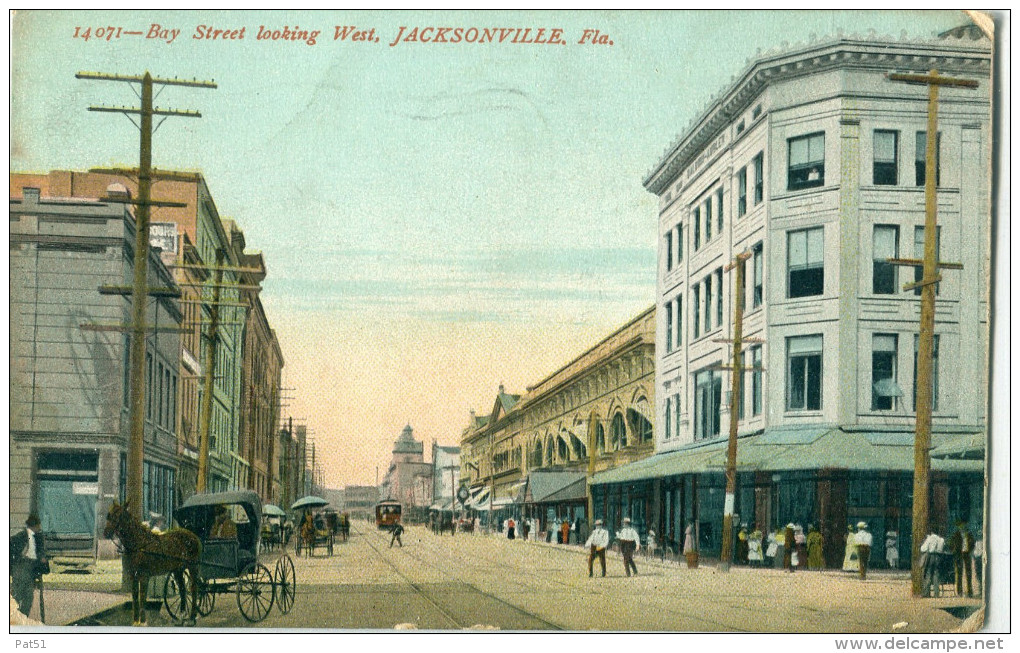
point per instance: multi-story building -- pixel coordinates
(409, 478)
(813, 162)
(531, 453)
(69, 390)
(445, 477)
(201, 244)
(359, 500)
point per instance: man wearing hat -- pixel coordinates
(597, 543)
(629, 544)
(863, 540)
(961, 545)
(28, 561)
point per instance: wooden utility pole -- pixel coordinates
(139, 295)
(593, 423)
(209, 371)
(926, 337)
(736, 396)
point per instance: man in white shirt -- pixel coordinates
(863, 539)
(597, 543)
(931, 549)
(629, 544)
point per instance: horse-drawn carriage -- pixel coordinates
(320, 533)
(229, 561)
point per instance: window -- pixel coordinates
(669, 417)
(756, 378)
(708, 303)
(759, 178)
(757, 276)
(934, 373)
(806, 270)
(719, 210)
(707, 403)
(886, 246)
(884, 170)
(618, 432)
(676, 413)
(807, 162)
(669, 250)
(804, 373)
(669, 327)
(740, 127)
(718, 299)
(920, 157)
(919, 254)
(679, 243)
(697, 228)
(756, 112)
(679, 321)
(742, 192)
(883, 371)
(151, 384)
(696, 306)
(708, 219)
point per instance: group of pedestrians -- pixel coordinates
(598, 542)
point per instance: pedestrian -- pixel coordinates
(691, 547)
(931, 559)
(27, 562)
(742, 545)
(630, 543)
(755, 556)
(863, 539)
(596, 544)
(892, 549)
(779, 561)
(961, 545)
(565, 532)
(572, 538)
(850, 552)
(771, 549)
(398, 530)
(651, 545)
(527, 528)
(815, 549)
(511, 529)
(800, 547)
(788, 548)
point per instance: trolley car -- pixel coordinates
(230, 565)
(387, 514)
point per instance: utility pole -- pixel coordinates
(593, 423)
(139, 290)
(210, 378)
(736, 397)
(925, 341)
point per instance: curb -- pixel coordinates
(95, 618)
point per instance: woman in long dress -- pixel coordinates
(815, 554)
(754, 552)
(850, 554)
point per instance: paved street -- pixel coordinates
(451, 583)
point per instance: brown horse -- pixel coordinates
(149, 554)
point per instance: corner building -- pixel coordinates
(812, 162)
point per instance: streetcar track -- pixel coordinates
(549, 625)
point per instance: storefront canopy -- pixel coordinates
(798, 449)
(554, 487)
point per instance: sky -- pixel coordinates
(436, 219)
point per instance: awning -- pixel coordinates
(502, 502)
(967, 447)
(795, 449)
(555, 486)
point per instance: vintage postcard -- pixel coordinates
(557, 321)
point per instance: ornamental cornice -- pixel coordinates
(952, 56)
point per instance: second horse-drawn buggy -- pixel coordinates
(229, 524)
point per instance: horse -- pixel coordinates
(149, 554)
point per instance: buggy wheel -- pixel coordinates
(206, 598)
(286, 584)
(177, 599)
(255, 593)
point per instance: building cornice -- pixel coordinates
(948, 55)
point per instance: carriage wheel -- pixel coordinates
(178, 608)
(286, 584)
(255, 593)
(206, 598)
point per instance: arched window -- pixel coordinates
(563, 449)
(640, 426)
(579, 450)
(549, 451)
(618, 432)
(600, 438)
(536, 455)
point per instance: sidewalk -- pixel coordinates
(73, 596)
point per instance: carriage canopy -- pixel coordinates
(198, 513)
